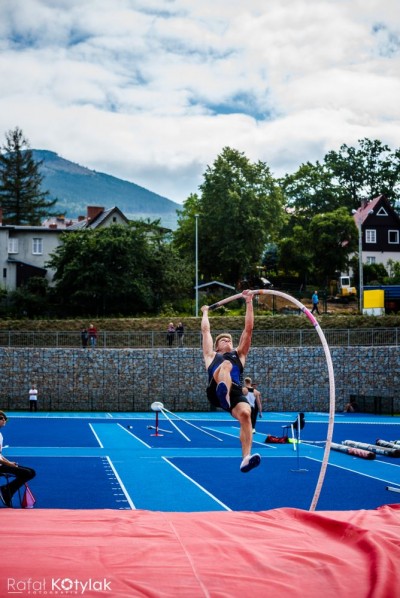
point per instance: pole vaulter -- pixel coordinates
(328, 358)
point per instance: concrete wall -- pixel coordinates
(292, 379)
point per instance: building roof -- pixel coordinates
(96, 220)
(364, 210)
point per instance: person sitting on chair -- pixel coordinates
(20, 474)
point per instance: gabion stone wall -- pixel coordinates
(292, 379)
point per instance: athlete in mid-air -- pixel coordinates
(225, 368)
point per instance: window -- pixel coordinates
(393, 236)
(370, 235)
(4, 272)
(37, 246)
(12, 245)
(371, 259)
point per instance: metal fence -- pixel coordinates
(370, 337)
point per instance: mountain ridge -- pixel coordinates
(75, 187)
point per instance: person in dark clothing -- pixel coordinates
(170, 334)
(180, 331)
(225, 368)
(84, 337)
(20, 474)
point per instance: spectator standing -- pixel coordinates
(84, 337)
(180, 331)
(170, 334)
(315, 301)
(92, 335)
(33, 395)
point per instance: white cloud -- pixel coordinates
(152, 90)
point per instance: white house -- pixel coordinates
(25, 250)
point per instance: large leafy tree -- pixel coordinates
(332, 238)
(367, 171)
(343, 179)
(311, 190)
(320, 248)
(118, 269)
(239, 210)
(184, 236)
(21, 195)
(296, 253)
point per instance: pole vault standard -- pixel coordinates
(193, 426)
(328, 358)
(158, 406)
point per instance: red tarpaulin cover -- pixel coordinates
(282, 552)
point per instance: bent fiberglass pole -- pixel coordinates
(328, 358)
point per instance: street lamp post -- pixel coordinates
(360, 265)
(360, 262)
(197, 263)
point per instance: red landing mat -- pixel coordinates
(277, 553)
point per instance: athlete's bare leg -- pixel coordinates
(223, 374)
(242, 412)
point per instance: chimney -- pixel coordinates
(53, 226)
(93, 212)
(364, 202)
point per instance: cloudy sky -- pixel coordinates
(151, 91)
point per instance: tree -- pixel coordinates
(270, 257)
(184, 236)
(343, 179)
(318, 249)
(239, 210)
(296, 253)
(368, 171)
(311, 190)
(374, 274)
(117, 270)
(21, 197)
(31, 299)
(332, 237)
(393, 272)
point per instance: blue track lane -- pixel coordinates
(87, 461)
